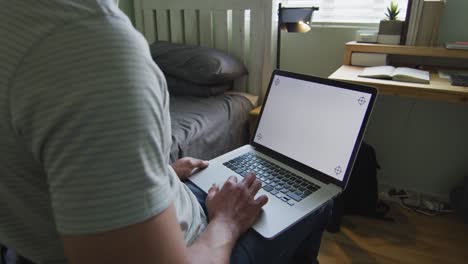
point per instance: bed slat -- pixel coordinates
(150, 31)
(220, 24)
(176, 26)
(238, 44)
(256, 52)
(206, 28)
(162, 23)
(217, 24)
(191, 27)
(138, 15)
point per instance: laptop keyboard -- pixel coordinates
(285, 185)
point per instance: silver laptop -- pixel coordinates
(303, 149)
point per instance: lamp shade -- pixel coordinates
(296, 19)
(299, 27)
(294, 15)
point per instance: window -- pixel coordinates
(349, 11)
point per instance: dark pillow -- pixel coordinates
(186, 88)
(196, 64)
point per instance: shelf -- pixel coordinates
(354, 46)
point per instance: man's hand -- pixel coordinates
(184, 167)
(234, 205)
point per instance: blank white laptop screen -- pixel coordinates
(312, 123)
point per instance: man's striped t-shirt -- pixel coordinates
(85, 130)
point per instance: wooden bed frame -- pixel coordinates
(243, 28)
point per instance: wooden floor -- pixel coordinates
(412, 238)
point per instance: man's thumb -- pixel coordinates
(200, 163)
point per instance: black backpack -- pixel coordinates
(361, 195)
(459, 200)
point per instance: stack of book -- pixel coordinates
(423, 24)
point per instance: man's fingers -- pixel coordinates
(261, 200)
(259, 203)
(197, 163)
(230, 183)
(256, 186)
(249, 179)
(232, 179)
(212, 192)
(203, 164)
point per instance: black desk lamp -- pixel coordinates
(292, 19)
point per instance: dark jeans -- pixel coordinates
(299, 243)
(8, 256)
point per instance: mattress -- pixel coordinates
(206, 127)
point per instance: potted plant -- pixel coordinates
(390, 28)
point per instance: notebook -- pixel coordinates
(305, 143)
(401, 74)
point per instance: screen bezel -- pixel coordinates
(300, 166)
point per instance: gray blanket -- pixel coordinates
(207, 127)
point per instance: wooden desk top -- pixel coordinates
(439, 89)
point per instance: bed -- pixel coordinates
(209, 126)
(196, 125)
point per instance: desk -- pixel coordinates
(416, 141)
(439, 89)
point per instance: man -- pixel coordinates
(85, 139)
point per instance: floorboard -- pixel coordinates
(411, 238)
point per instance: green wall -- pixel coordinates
(127, 7)
(321, 51)
(455, 21)
(421, 145)
(453, 24)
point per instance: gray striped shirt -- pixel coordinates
(84, 127)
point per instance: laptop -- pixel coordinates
(305, 143)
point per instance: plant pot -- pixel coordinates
(390, 32)
(390, 27)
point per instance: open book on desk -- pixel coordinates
(401, 74)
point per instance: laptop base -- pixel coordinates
(276, 216)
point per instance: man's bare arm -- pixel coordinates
(159, 239)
